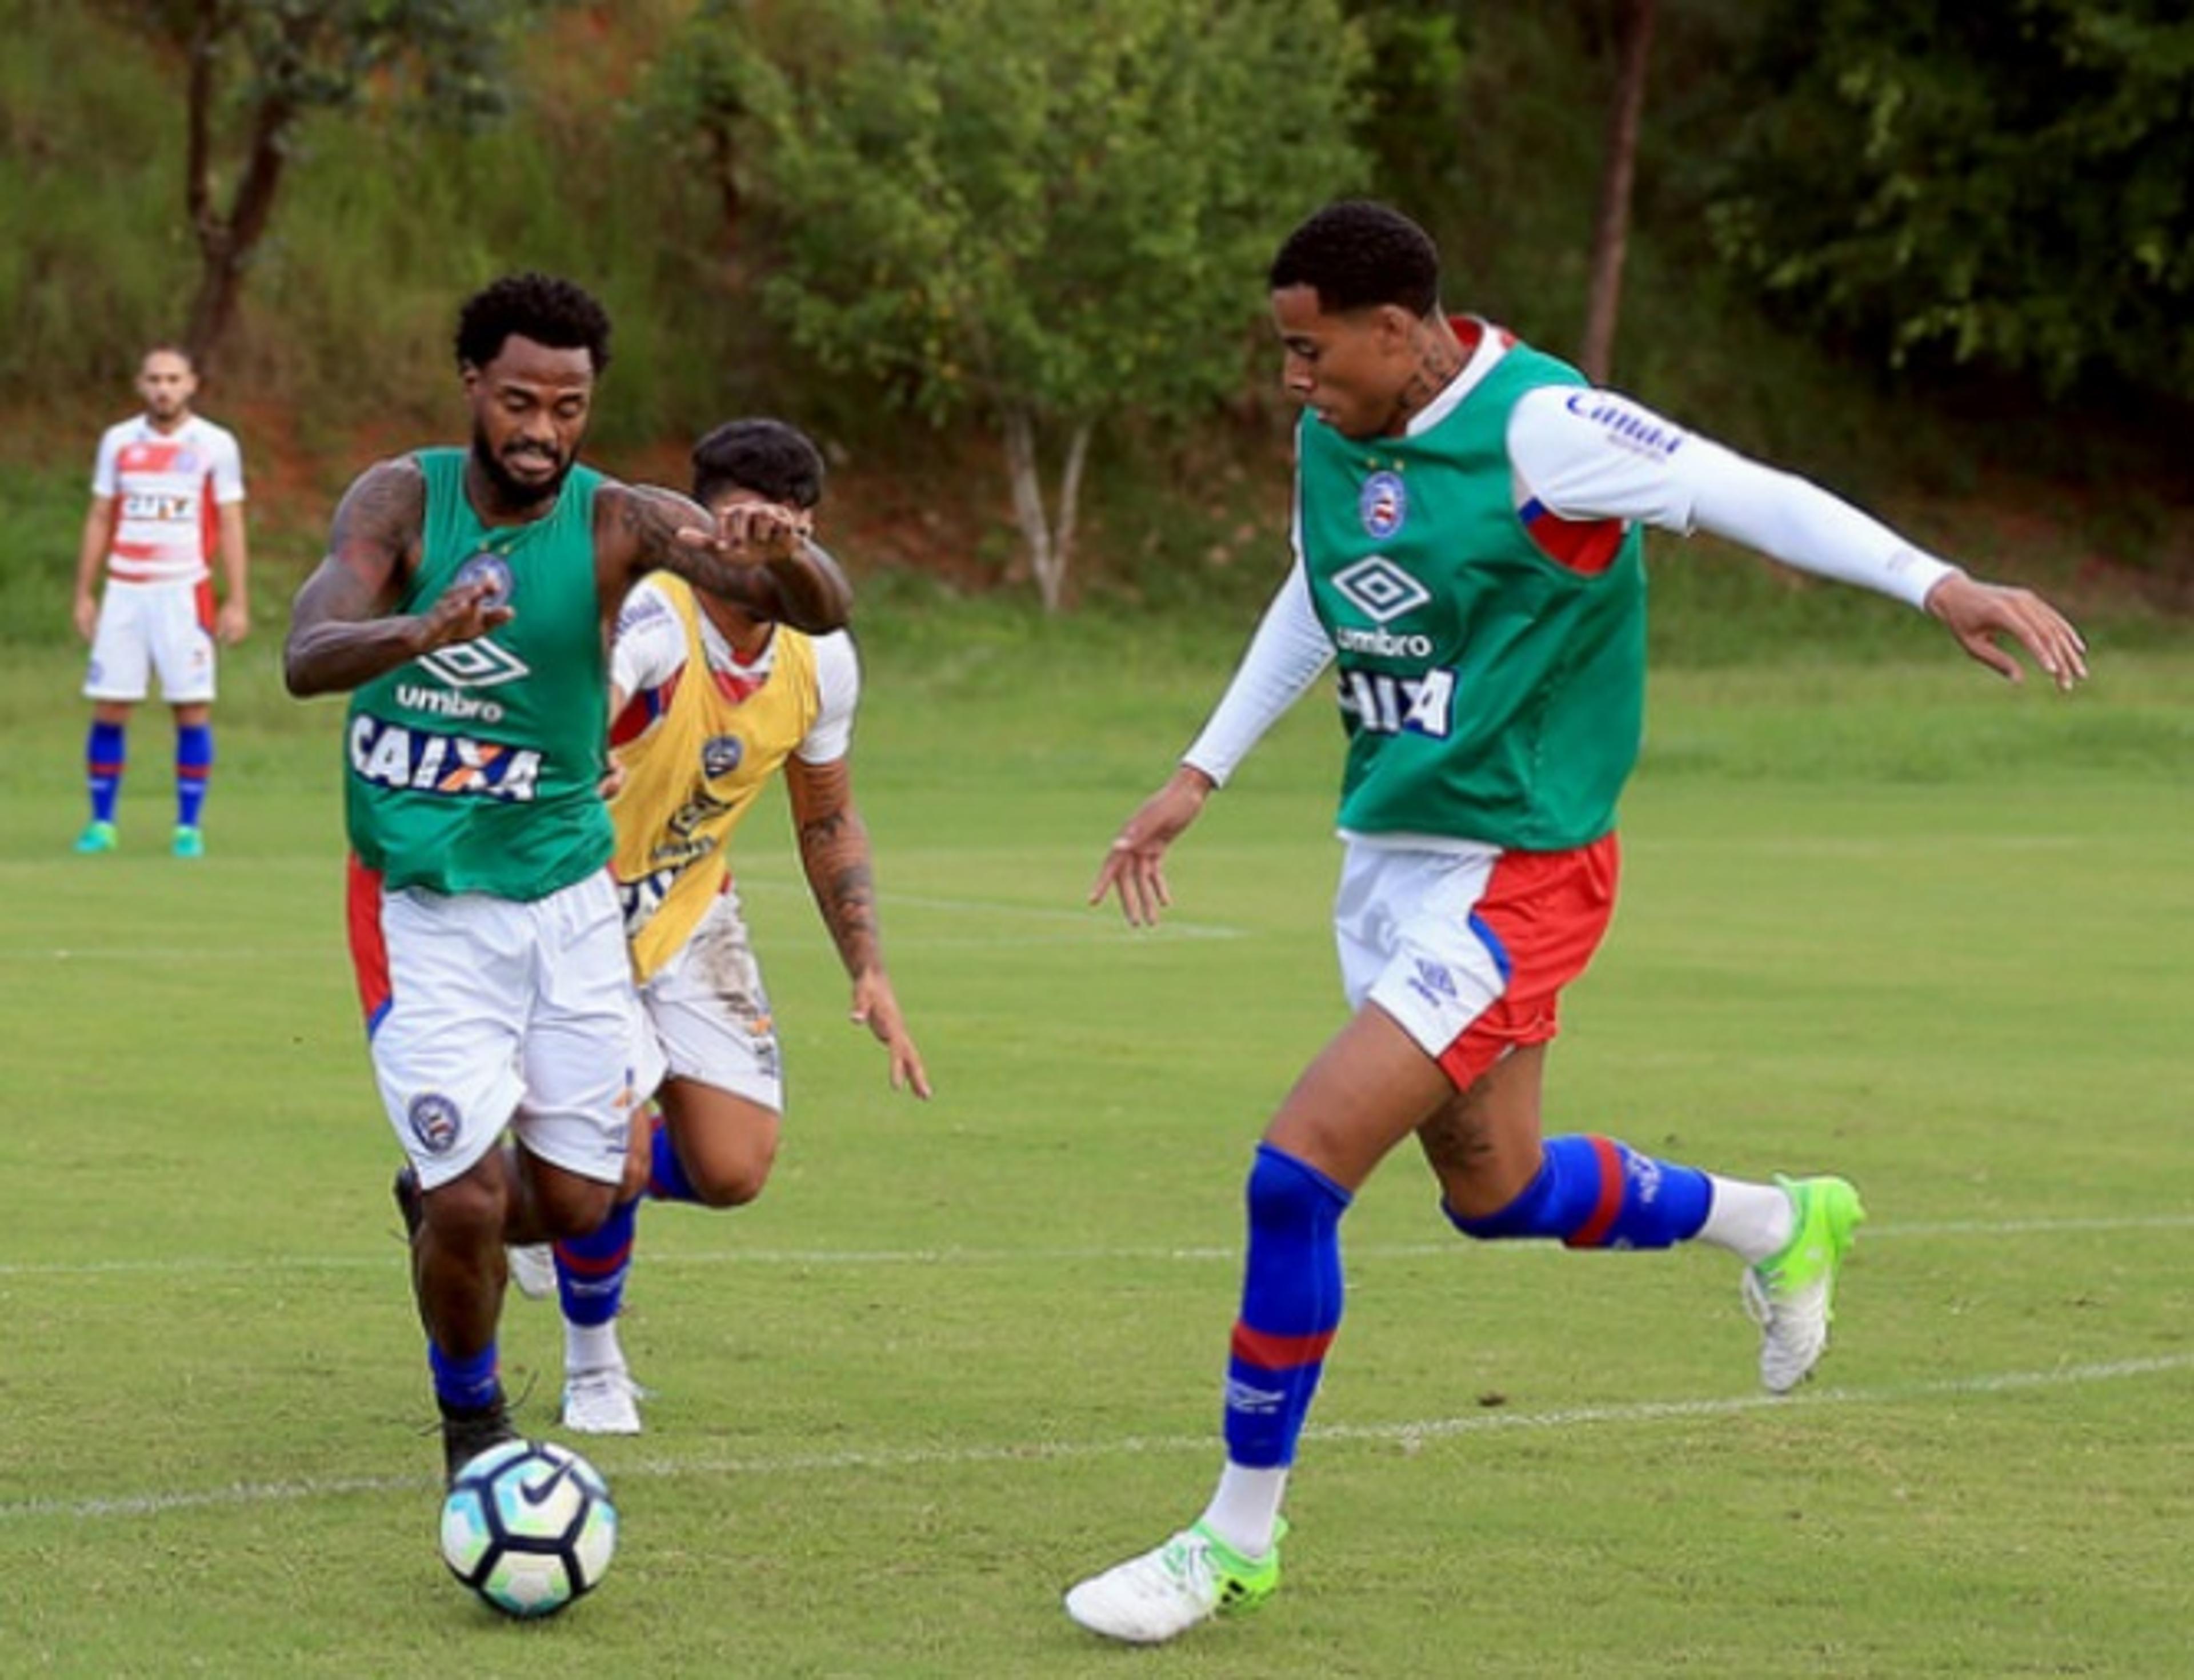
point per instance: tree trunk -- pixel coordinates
(1028, 495)
(1050, 540)
(1070, 502)
(730, 202)
(1611, 235)
(226, 242)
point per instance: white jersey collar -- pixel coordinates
(147, 432)
(725, 657)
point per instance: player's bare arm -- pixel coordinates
(1980, 615)
(91, 554)
(343, 629)
(834, 851)
(235, 621)
(754, 556)
(1134, 865)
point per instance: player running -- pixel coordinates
(465, 602)
(1468, 553)
(167, 494)
(709, 703)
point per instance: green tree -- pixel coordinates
(1043, 212)
(255, 70)
(2012, 183)
(1413, 116)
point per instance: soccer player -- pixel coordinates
(1467, 550)
(709, 703)
(167, 492)
(465, 602)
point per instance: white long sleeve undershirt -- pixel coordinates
(1586, 454)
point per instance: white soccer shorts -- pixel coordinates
(148, 627)
(1403, 927)
(1469, 949)
(499, 1013)
(707, 1015)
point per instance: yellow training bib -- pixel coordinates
(691, 778)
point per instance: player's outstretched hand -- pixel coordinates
(1134, 867)
(751, 533)
(875, 1006)
(1982, 615)
(465, 612)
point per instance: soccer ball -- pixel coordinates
(528, 1526)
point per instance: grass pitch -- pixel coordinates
(1882, 919)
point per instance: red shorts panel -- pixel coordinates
(1543, 915)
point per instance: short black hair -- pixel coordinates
(777, 462)
(542, 307)
(1356, 254)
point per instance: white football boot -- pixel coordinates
(533, 1270)
(1791, 1294)
(605, 1402)
(1192, 1577)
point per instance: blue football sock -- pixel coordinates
(464, 1384)
(1595, 1192)
(1291, 1299)
(666, 1174)
(104, 757)
(591, 1270)
(193, 764)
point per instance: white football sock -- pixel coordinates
(1752, 1221)
(591, 1346)
(1245, 1510)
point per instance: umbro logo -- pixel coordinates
(475, 664)
(1380, 590)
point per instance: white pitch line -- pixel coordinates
(1074, 927)
(163, 953)
(186, 1264)
(1409, 1433)
(1091, 916)
(1086, 937)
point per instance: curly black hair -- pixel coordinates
(1356, 254)
(542, 307)
(775, 461)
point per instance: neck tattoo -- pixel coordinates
(1438, 363)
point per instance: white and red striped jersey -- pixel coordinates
(168, 488)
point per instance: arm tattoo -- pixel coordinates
(648, 521)
(341, 634)
(805, 589)
(834, 851)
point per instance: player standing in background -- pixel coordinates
(465, 602)
(709, 703)
(166, 493)
(1468, 546)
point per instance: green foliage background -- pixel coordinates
(1483, 121)
(1881, 915)
(2010, 183)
